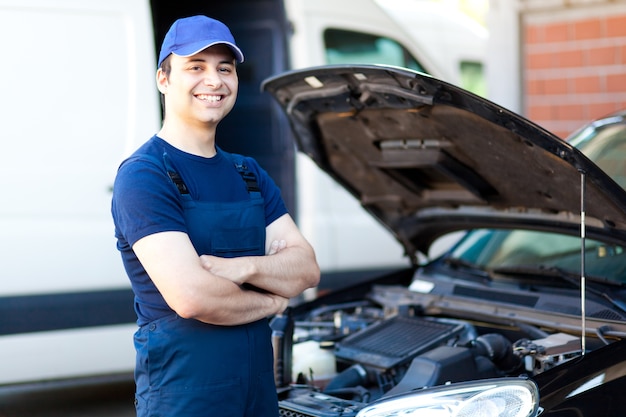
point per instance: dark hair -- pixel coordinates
(166, 66)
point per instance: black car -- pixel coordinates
(525, 315)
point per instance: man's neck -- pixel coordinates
(196, 141)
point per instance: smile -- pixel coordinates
(209, 98)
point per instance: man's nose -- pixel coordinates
(212, 79)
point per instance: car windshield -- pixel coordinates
(604, 142)
(493, 249)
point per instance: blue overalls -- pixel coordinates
(186, 368)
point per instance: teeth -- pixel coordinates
(206, 97)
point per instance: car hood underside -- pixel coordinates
(427, 158)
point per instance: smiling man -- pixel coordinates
(207, 243)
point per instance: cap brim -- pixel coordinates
(197, 47)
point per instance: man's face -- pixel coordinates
(202, 88)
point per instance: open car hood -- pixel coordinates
(427, 158)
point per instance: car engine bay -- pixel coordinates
(346, 355)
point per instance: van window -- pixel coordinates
(473, 78)
(347, 47)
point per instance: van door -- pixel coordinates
(76, 94)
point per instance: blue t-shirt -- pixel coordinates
(146, 201)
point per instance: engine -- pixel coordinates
(341, 357)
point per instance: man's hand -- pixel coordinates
(232, 269)
(276, 246)
(282, 302)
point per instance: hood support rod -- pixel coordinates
(582, 262)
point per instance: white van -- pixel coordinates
(78, 95)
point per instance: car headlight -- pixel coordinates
(502, 397)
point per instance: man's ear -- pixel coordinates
(161, 80)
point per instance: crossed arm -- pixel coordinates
(210, 289)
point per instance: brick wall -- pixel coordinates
(574, 66)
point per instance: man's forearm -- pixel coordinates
(286, 273)
(236, 306)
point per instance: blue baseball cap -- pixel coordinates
(191, 35)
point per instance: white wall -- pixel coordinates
(503, 62)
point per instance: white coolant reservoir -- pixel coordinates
(315, 362)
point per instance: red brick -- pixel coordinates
(587, 29)
(534, 87)
(557, 32)
(569, 59)
(616, 26)
(551, 127)
(539, 61)
(539, 113)
(586, 85)
(533, 34)
(603, 56)
(561, 133)
(556, 86)
(616, 83)
(597, 110)
(570, 111)
(621, 55)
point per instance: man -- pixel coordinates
(207, 243)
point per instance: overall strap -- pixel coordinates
(246, 174)
(238, 161)
(171, 173)
(174, 176)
